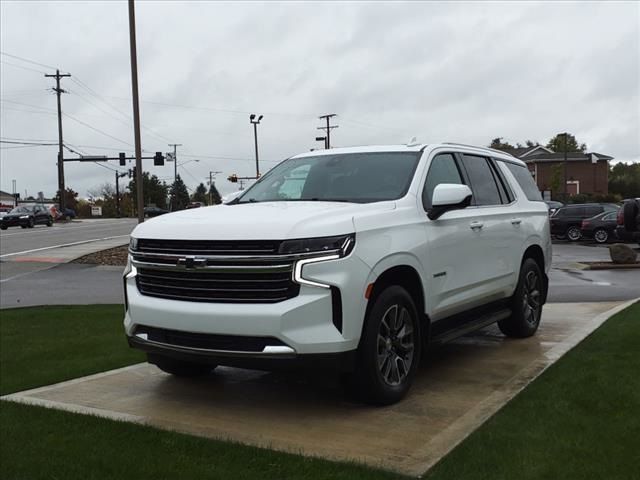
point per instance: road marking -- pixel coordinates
(61, 246)
(62, 228)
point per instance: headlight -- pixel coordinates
(341, 245)
(133, 244)
(24, 216)
(325, 248)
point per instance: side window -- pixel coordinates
(483, 184)
(592, 211)
(443, 169)
(526, 182)
(610, 216)
(506, 194)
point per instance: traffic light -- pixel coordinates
(123, 159)
(158, 159)
(132, 172)
(233, 178)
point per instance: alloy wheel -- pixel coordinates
(531, 304)
(601, 236)
(573, 234)
(396, 345)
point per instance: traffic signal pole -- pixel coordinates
(136, 109)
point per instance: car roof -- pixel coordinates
(415, 147)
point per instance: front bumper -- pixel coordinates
(304, 326)
(13, 222)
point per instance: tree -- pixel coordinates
(179, 194)
(70, 198)
(200, 194)
(557, 144)
(557, 174)
(155, 192)
(624, 179)
(216, 199)
(498, 144)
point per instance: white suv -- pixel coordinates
(356, 258)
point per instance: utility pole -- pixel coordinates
(59, 92)
(211, 175)
(566, 193)
(118, 177)
(175, 160)
(328, 128)
(136, 109)
(255, 123)
(175, 170)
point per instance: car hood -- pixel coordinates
(260, 221)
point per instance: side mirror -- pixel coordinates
(449, 196)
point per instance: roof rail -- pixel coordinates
(479, 148)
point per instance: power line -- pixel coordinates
(22, 67)
(27, 60)
(27, 143)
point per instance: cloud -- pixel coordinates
(458, 71)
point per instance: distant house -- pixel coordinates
(587, 173)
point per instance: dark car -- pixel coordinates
(628, 228)
(27, 216)
(553, 206)
(154, 211)
(601, 228)
(567, 221)
(194, 205)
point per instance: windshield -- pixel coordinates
(346, 177)
(21, 209)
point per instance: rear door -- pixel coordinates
(467, 263)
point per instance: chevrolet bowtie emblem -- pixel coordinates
(192, 262)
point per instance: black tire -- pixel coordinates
(526, 302)
(573, 233)
(23, 226)
(630, 215)
(3, 228)
(32, 223)
(387, 359)
(179, 368)
(601, 235)
(50, 222)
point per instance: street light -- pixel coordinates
(254, 122)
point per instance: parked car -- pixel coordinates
(566, 222)
(353, 258)
(194, 205)
(601, 228)
(154, 211)
(27, 216)
(553, 206)
(628, 219)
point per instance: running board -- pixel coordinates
(471, 325)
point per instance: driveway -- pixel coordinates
(458, 388)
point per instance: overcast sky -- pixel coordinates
(462, 72)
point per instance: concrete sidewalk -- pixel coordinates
(458, 389)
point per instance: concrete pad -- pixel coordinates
(458, 388)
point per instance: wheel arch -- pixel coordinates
(406, 276)
(536, 253)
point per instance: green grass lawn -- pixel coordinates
(44, 345)
(578, 420)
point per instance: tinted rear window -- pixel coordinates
(525, 180)
(483, 183)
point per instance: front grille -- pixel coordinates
(246, 285)
(209, 247)
(232, 343)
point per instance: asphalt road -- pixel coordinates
(46, 284)
(17, 241)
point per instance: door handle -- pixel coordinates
(516, 221)
(476, 225)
